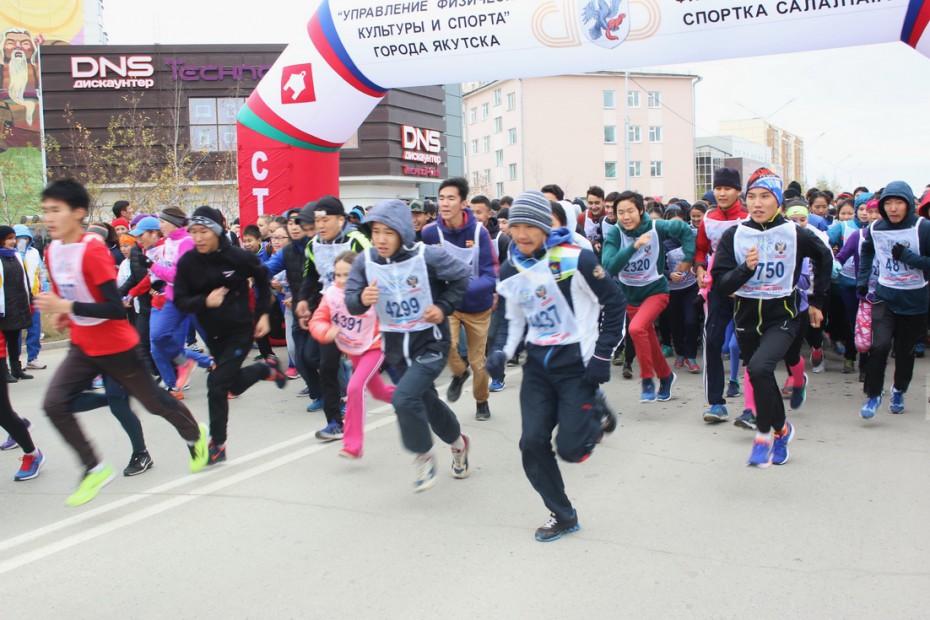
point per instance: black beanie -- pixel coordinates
(210, 218)
(727, 177)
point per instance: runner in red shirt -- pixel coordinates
(85, 298)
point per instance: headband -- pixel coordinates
(215, 227)
(173, 219)
(100, 230)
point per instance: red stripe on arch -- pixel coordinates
(920, 24)
(318, 37)
(261, 109)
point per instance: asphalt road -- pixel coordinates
(673, 523)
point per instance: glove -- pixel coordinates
(897, 251)
(158, 286)
(146, 261)
(496, 363)
(862, 291)
(597, 371)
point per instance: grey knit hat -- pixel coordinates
(532, 208)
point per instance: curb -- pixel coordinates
(58, 344)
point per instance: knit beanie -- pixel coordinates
(210, 218)
(503, 214)
(767, 180)
(7, 231)
(120, 221)
(863, 198)
(532, 208)
(727, 177)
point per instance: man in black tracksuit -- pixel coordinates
(561, 295)
(213, 284)
(138, 271)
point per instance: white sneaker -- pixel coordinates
(424, 472)
(460, 459)
(35, 365)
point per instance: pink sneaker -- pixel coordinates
(184, 372)
(292, 373)
(789, 387)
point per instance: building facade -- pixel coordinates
(605, 129)
(783, 148)
(713, 152)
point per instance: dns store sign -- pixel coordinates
(422, 146)
(106, 73)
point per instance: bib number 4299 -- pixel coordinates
(403, 309)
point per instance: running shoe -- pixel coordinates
(176, 393)
(667, 351)
(217, 453)
(304, 392)
(10, 443)
(665, 387)
(627, 371)
(553, 529)
(747, 420)
(680, 361)
(761, 455)
(35, 365)
(608, 415)
(139, 463)
(292, 373)
(348, 454)
(716, 413)
(315, 405)
(839, 348)
(692, 366)
(483, 412)
(460, 459)
(617, 359)
(514, 361)
(780, 445)
(424, 476)
(799, 394)
(897, 401)
(732, 388)
(200, 451)
(455, 387)
(97, 384)
(649, 392)
(276, 373)
(919, 349)
(870, 407)
(30, 466)
(861, 374)
(331, 432)
(817, 362)
(90, 485)
(849, 367)
(184, 371)
(497, 386)
(788, 389)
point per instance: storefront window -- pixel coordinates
(213, 123)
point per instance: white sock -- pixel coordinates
(458, 444)
(35, 452)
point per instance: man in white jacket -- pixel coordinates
(37, 279)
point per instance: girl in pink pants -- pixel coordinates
(360, 339)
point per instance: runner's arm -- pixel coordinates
(613, 258)
(611, 300)
(110, 308)
(727, 274)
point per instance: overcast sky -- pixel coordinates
(862, 111)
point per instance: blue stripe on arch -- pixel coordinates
(910, 18)
(329, 29)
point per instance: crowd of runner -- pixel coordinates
(384, 300)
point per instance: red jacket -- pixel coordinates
(735, 212)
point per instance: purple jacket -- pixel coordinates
(851, 248)
(480, 295)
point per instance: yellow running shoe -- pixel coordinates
(200, 451)
(91, 485)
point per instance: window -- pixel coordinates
(499, 157)
(497, 97)
(610, 99)
(655, 169)
(473, 115)
(513, 172)
(655, 133)
(485, 110)
(474, 178)
(213, 123)
(655, 99)
(487, 175)
(634, 133)
(498, 124)
(632, 98)
(635, 169)
(610, 134)
(610, 170)
(512, 135)
(511, 101)
(500, 189)
(486, 144)
(474, 147)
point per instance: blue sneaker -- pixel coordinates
(97, 383)
(799, 394)
(732, 389)
(716, 413)
(919, 349)
(315, 405)
(665, 387)
(870, 407)
(762, 448)
(332, 432)
(553, 529)
(780, 447)
(30, 467)
(897, 401)
(747, 420)
(10, 443)
(649, 392)
(497, 386)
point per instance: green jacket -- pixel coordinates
(615, 259)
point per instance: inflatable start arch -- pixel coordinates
(325, 84)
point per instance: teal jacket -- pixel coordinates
(614, 259)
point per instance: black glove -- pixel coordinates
(158, 286)
(597, 371)
(897, 251)
(146, 261)
(496, 363)
(862, 291)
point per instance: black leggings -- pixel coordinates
(116, 398)
(12, 423)
(12, 345)
(761, 353)
(230, 377)
(903, 332)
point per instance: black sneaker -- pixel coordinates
(861, 374)
(139, 463)
(514, 361)
(484, 412)
(628, 371)
(217, 453)
(455, 388)
(608, 415)
(553, 528)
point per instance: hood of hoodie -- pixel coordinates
(467, 218)
(898, 189)
(394, 214)
(23, 231)
(922, 210)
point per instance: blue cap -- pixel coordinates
(146, 224)
(22, 231)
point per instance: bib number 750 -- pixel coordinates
(769, 271)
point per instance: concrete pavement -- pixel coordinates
(673, 523)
